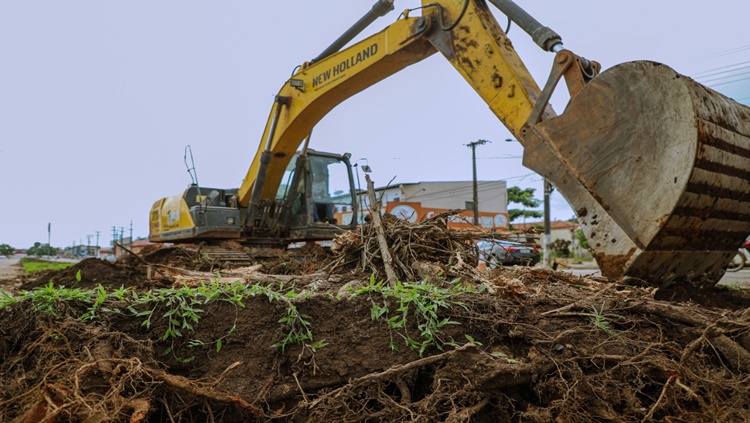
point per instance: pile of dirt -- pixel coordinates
(513, 344)
(88, 274)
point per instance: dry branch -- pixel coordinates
(412, 251)
(382, 243)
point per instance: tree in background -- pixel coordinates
(524, 197)
(6, 250)
(42, 250)
(560, 248)
(582, 241)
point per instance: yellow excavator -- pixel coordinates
(655, 165)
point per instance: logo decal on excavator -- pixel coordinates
(173, 216)
(337, 71)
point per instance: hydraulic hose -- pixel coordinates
(543, 36)
(380, 8)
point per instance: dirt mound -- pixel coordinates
(318, 340)
(535, 345)
(89, 273)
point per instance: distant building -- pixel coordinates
(421, 200)
(80, 251)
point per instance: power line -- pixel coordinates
(721, 69)
(726, 52)
(499, 157)
(720, 78)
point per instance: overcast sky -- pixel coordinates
(98, 99)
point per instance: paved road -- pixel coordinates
(9, 269)
(6, 265)
(741, 278)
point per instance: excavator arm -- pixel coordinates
(317, 88)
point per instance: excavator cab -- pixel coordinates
(317, 194)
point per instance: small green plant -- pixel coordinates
(181, 312)
(47, 299)
(420, 302)
(503, 356)
(101, 297)
(299, 328)
(299, 331)
(180, 309)
(6, 300)
(599, 319)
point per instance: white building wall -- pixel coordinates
(492, 195)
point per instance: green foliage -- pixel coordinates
(299, 329)
(6, 250)
(524, 197)
(504, 357)
(582, 241)
(31, 265)
(47, 299)
(560, 248)
(179, 309)
(599, 319)
(419, 303)
(42, 250)
(6, 300)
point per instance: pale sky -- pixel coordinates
(98, 99)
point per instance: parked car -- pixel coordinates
(498, 252)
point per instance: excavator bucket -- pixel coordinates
(657, 168)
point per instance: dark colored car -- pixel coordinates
(500, 252)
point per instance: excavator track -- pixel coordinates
(225, 257)
(657, 168)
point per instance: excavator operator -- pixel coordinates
(322, 202)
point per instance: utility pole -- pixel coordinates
(547, 239)
(361, 198)
(97, 243)
(473, 146)
(114, 240)
(548, 188)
